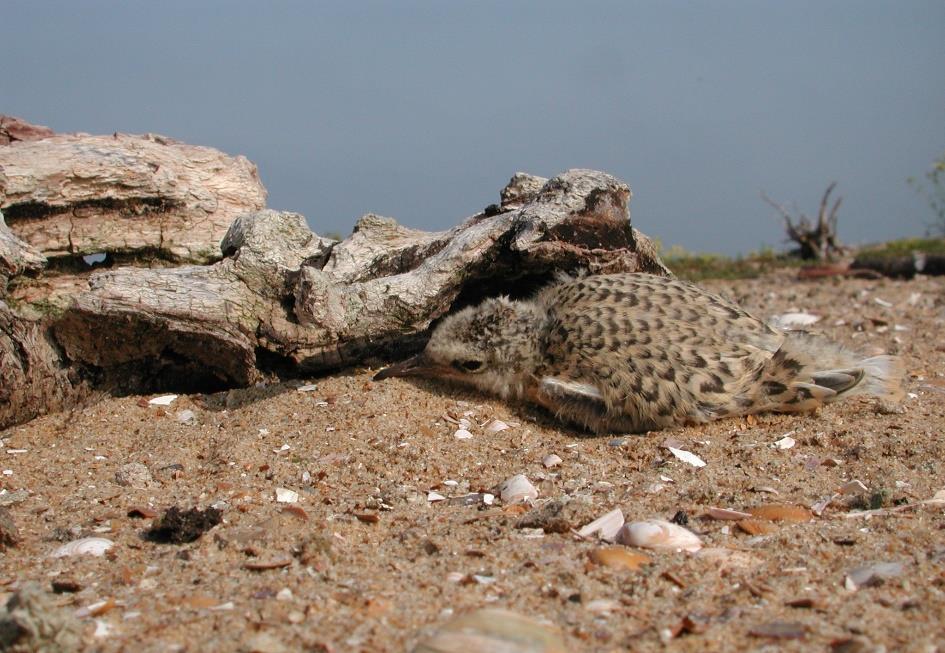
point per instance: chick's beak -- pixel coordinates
(417, 365)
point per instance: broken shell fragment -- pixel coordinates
(163, 400)
(493, 630)
(781, 512)
(462, 434)
(619, 558)
(658, 534)
(285, 495)
(93, 546)
(687, 457)
(517, 489)
(605, 527)
(496, 425)
(551, 460)
(726, 514)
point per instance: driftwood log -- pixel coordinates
(285, 300)
(279, 301)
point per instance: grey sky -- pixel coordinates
(423, 110)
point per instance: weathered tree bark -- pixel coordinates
(287, 301)
(34, 376)
(76, 195)
(13, 130)
(16, 257)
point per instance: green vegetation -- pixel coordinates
(698, 266)
(903, 248)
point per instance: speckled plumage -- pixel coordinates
(636, 352)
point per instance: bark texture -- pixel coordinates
(77, 195)
(285, 300)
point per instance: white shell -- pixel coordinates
(853, 487)
(790, 321)
(517, 489)
(163, 400)
(785, 443)
(496, 425)
(727, 514)
(462, 434)
(92, 546)
(605, 527)
(435, 496)
(284, 495)
(551, 460)
(658, 534)
(687, 457)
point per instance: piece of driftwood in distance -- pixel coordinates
(816, 240)
(287, 301)
(75, 195)
(904, 267)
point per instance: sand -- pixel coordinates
(363, 561)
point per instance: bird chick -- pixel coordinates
(638, 352)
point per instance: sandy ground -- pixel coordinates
(370, 564)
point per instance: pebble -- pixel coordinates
(551, 460)
(134, 475)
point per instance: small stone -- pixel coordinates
(551, 460)
(873, 574)
(558, 515)
(187, 417)
(134, 475)
(31, 621)
(9, 534)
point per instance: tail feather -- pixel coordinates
(808, 371)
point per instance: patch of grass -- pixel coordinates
(693, 266)
(903, 248)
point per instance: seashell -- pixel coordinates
(517, 489)
(496, 425)
(853, 487)
(493, 630)
(605, 527)
(756, 526)
(725, 513)
(92, 546)
(551, 460)
(658, 534)
(435, 496)
(618, 557)
(687, 457)
(785, 443)
(781, 512)
(462, 434)
(285, 495)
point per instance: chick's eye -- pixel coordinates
(468, 366)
